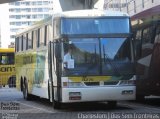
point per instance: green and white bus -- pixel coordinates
(101, 64)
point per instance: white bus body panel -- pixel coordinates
(109, 93)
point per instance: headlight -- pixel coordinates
(127, 82)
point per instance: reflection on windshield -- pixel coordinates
(97, 56)
(116, 56)
(85, 52)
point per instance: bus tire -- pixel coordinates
(112, 104)
(56, 105)
(25, 91)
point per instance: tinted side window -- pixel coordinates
(37, 37)
(45, 35)
(27, 41)
(147, 45)
(24, 41)
(147, 33)
(30, 40)
(42, 34)
(20, 43)
(138, 44)
(157, 37)
(17, 44)
(138, 35)
(7, 58)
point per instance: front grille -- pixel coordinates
(111, 83)
(91, 83)
(98, 83)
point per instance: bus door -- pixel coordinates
(155, 64)
(50, 65)
(55, 64)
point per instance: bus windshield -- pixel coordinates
(97, 56)
(102, 25)
(6, 58)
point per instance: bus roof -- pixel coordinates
(7, 50)
(90, 13)
(75, 14)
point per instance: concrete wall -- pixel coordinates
(67, 5)
(4, 21)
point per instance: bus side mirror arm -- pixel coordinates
(58, 51)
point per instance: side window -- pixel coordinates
(45, 35)
(138, 43)
(50, 32)
(37, 37)
(4, 59)
(30, 40)
(17, 44)
(11, 59)
(20, 43)
(24, 42)
(157, 37)
(27, 41)
(7, 58)
(147, 35)
(42, 34)
(56, 27)
(138, 35)
(147, 45)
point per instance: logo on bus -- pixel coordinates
(86, 79)
(7, 69)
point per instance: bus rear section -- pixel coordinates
(7, 68)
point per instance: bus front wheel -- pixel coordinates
(56, 105)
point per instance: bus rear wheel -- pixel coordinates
(25, 92)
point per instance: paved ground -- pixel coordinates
(13, 106)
